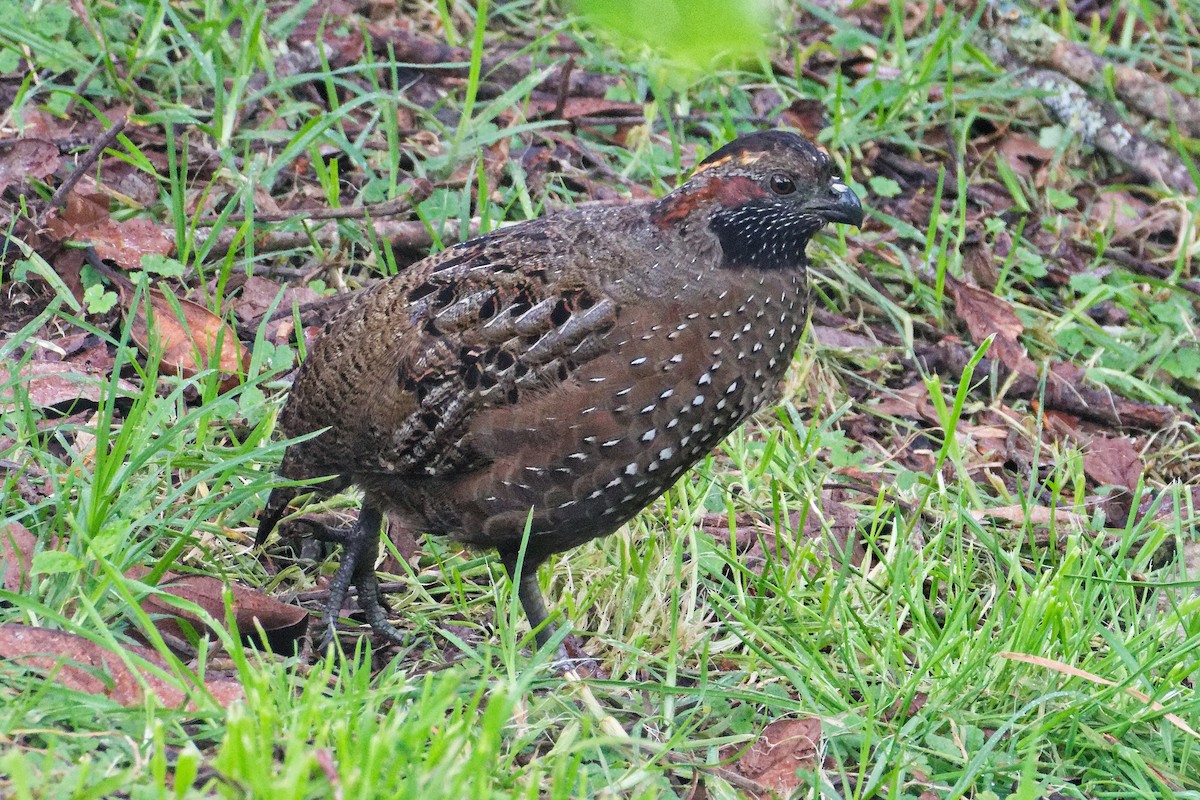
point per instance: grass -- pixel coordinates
(902, 654)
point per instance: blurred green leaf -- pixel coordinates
(693, 33)
(1061, 200)
(50, 562)
(884, 187)
(162, 266)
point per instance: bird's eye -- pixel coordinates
(782, 184)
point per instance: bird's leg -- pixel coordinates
(530, 595)
(353, 546)
(359, 549)
(571, 655)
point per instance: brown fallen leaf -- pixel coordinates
(406, 544)
(808, 115)
(987, 440)
(903, 710)
(1124, 211)
(17, 545)
(753, 536)
(912, 401)
(1023, 155)
(576, 107)
(337, 47)
(985, 314)
(57, 385)
(132, 184)
(186, 341)
(86, 218)
(1060, 392)
(1036, 515)
(256, 295)
(42, 124)
(85, 666)
(1113, 461)
(495, 162)
(283, 624)
(826, 336)
(784, 747)
(23, 159)
(981, 261)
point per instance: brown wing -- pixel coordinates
(399, 375)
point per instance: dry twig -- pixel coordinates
(59, 199)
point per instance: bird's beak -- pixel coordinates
(840, 205)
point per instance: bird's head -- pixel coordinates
(763, 195)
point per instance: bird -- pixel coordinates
(536, 387)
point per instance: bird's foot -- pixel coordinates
(370, 600)
(359, 548)
(571, 659)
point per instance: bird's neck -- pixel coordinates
(763, 236)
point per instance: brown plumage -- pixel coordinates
(573, 366)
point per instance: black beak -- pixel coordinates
(841, 205)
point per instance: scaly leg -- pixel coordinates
(571, 656)
(530, 594)
(359, 551)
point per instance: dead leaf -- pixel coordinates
(186, 345)
(495, 162)
(809, 116)
(17, 545)
(987, 440)
(1113, 461)
(826, 336)
(256, 294)
(133, 184)
(906, 710)
(979, 261)
(576, 107)
(753, 536)
(1023, 154)
(404, 541)
(339, 48)
(1124, 212)
(912, 401)
(27, 158)
(58, 385)
(985, 314)
(86, 666)
(1035, 515)
(283, 623)
(784, 747)
(69, 266)
(26, 479)
(92, 357)
(86, 218)
(41, 124)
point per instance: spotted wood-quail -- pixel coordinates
(563, 372)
